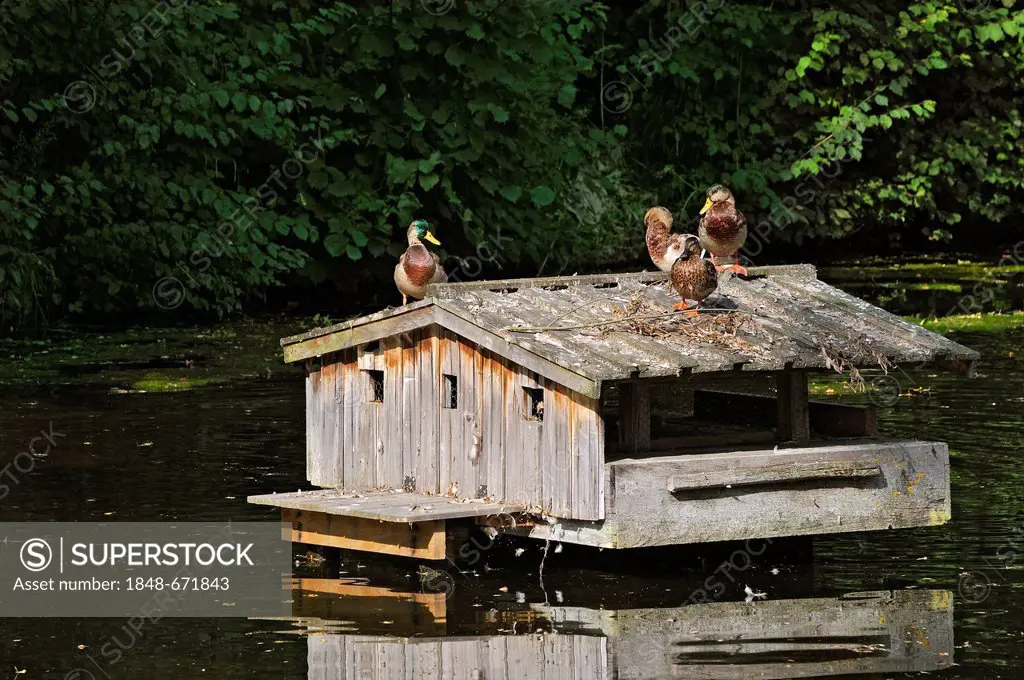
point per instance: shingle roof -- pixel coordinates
(781, 317)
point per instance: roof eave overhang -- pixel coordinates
(322, 341)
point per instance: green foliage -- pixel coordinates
(250, 143)
(202, 157)
(826, 121)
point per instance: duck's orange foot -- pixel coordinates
(681, 305)
(692, 312)
(738, 268)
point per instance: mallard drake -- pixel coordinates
(663, 246)
(418, 267)
(722, 228)
(693, 277)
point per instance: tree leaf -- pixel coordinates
(512, 193)
(335, 244)
(428, 181)
(542, 196)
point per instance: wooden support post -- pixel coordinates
(794, 422)
(635, 416)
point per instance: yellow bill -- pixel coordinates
(707, 205)
(430, 237)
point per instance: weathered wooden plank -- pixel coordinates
(863, 322)
(583, 304)
(450, 290)
(549, 368)
(389, 507)
(392, 421)
(312, 381)
(368, 443)
(468, 445)
(598, 443)
(356, 459)
(334, 461)
(348, 324)
(370, 356)
(347, 362)
(411, 403)
(577, 444)
(913, 490)
(523, 435)
(429, 408)
(409, 410)
(402, 321)
(772, 473)
(421, 540)
(798, 316)
(446, 418)
(322, 400)
(899, 328)
(701, 356)
(793, 416)
(555, 490)
(789, 318)
(493, 415)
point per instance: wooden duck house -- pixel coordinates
(583, 409)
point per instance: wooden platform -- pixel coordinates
(392, 523)
(812, 488)
(383, 506)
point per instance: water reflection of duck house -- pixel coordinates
(876, 632)
(534, 406)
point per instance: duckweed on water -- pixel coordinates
(149, 359)
(165, 382)
(973, 323)
(959, 271)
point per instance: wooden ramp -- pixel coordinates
(391, 522)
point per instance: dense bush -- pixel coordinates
(895, 115)
(165, 153)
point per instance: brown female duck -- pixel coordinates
(663, 246)
(723, 228)
(418, 267)
(693, 277)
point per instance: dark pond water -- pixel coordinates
(952, 596)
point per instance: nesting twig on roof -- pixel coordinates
(842, 357)
(715, 328)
